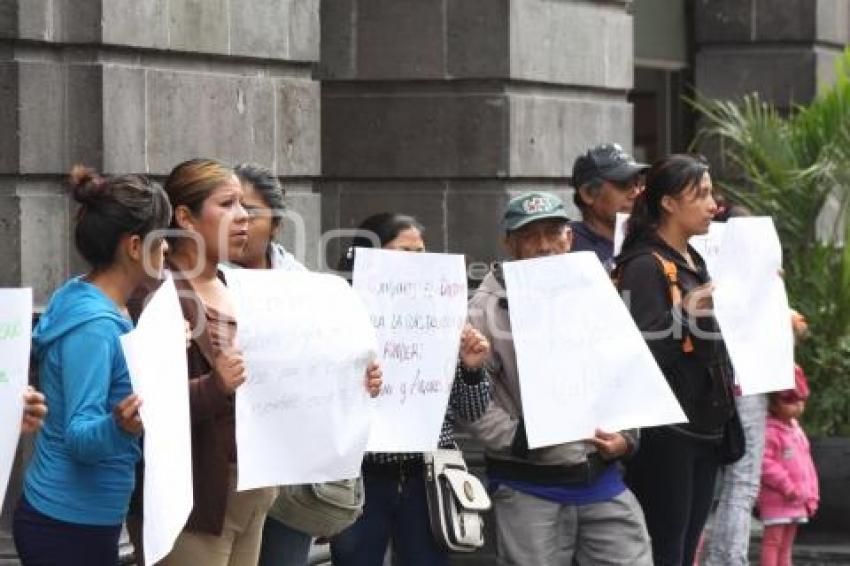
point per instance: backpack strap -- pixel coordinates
(671, 272)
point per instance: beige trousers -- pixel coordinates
(239, 542)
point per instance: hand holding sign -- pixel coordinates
(230, 367)
(126, 414)
(374, 378)
(35, 409)
(611, 445)
(474, 348)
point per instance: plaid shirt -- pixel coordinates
(468, 400)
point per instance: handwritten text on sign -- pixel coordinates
(417, 302)
(303, 413)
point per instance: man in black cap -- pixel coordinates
(607, 181)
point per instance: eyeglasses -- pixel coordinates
(257, 212)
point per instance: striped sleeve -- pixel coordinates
(470, 393)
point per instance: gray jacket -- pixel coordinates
(499, 429)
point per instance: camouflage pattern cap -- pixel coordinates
(530, 207)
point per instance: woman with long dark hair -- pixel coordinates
(78, 484)
(666, 286)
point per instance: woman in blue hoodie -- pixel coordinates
(78, 483)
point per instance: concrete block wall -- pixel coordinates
(784, 49)
(446, 108)
(138, 87)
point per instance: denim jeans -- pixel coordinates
(44, 541)
(396, 510)
(283, 546)
(729, 540)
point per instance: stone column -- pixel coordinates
(782, 49)
(446, 108)
(136, 87)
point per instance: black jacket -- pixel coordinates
(701, 379)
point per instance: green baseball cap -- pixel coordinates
(530, 207)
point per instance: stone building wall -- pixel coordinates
(136, 87)
(784, 49)
(446, 108)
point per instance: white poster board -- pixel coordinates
(751, 306)
(417, 303)
(303, 414)
(156, 357)
(620, 231)
(15, 343)
(709, 246)
(583, 364)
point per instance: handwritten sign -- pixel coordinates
(710, 245)
(417, 302)
(303, 414)
(15, 336)
(156, 357)
(751, 306)
(620, 222)
(582, 362)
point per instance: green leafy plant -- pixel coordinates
(793, 166)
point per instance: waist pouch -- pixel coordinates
(583, 474)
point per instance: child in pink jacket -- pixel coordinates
(789, 484)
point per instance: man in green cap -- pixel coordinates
(557, 505)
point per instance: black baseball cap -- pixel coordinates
(608, 162)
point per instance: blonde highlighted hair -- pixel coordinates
(190, 183)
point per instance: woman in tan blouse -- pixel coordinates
(225, 526)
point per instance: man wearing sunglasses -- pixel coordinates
(607, 181)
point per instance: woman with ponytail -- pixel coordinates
(667, 289)
(396, 510)
(78, 483)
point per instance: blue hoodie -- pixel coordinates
(83, 467)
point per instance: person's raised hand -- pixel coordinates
(374, 378)
(35, 409)
(126, 414)
(230, 367)
(610, 445)
(474, 348)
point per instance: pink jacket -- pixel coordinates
(789, 482)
